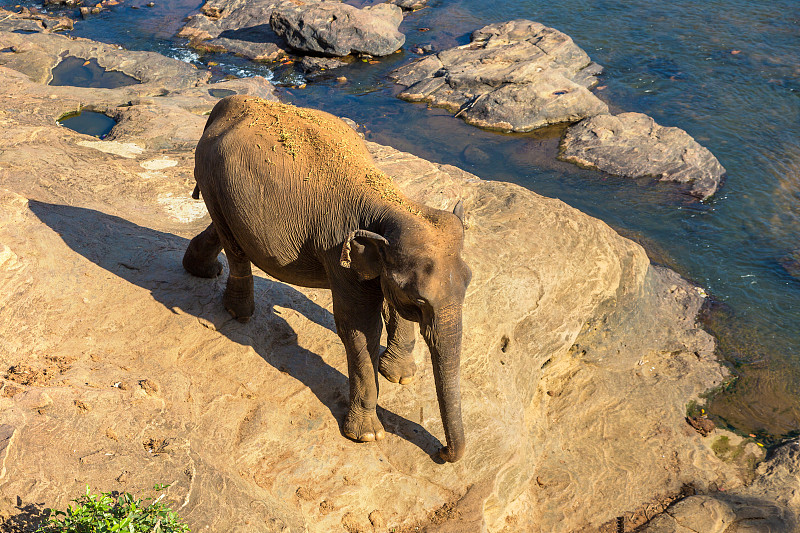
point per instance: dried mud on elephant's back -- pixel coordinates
(307, 136)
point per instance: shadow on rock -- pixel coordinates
(151, 259)
(261, 33)
(25, 519)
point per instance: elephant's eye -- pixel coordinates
(421, 301)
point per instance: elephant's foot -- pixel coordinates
(202, 270)
(363, 425)
(397, 368)
(238, 298)
(200, 258)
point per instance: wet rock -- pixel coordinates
(70, 3)
(336, 29)
(30, 20)
(633, 145)
(314, 66)
(409, 5)
(474, 155)
(701, 424)
(791, 263)
(513, 76)
(236, 26)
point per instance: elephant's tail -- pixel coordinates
(196, 192)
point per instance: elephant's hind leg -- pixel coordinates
(397, 361)
(200, 258)
(238, 298)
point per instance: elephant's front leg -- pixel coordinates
(358, 322)
(397, 361)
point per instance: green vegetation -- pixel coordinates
(106, 513)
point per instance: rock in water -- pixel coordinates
(336, 29)
(513, 76)
(235, 26)
(633, 145)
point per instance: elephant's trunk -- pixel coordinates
(443, 337)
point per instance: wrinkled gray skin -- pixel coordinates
(292, 198)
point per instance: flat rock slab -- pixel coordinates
(633, 145)
(335, 29)
(513, 76)
(36, 55)
(31, 20)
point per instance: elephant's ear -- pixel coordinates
(361, 252)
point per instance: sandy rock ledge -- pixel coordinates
(120, 370)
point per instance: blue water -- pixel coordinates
(727, 72)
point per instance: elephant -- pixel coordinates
(295, 192)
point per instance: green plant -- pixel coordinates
(107, 513)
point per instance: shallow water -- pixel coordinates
(89, 123)
(79, 72)
(725, 71)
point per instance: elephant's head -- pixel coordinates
(424, 278)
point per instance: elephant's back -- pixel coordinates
(298, 141)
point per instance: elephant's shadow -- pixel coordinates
(151, 259)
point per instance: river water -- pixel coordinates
(726, 71)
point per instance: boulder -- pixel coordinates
(512, 76)
(336, 29)
(770, 503)
(634, 145)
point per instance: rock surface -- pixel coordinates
(634, 146)
(513, 76)
(409, 5)
(120, 370)
(31, 20)
(236, 26)
(771, 504)
(248, 28)
(167, 88)
(335, 29)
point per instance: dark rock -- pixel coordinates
(63, 2)
(409, 5)
(336, 29)
(255, 51)
(513, 76)
(791, 263)
(701, 424)
(633, 145)
(316, 66)
(474, 155)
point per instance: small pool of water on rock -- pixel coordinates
(79, 72)
(89, 122)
